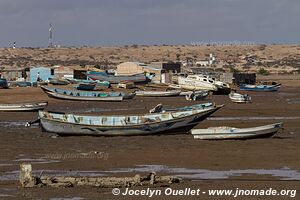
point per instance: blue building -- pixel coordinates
(44, 72)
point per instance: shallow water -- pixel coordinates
(67, 198)
(16, 124)
(251, 118)
(284, 173)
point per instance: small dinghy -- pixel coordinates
(239, 98)
(23, 106)
(223, 133)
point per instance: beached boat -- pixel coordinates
(86, 95)
(203, 82)
(239, 98)
(154, 93)
(103, 76)
(79, 81)
(86, 86)
(23, 106)
(56, 81)
(194, 96)
(221, 133)
(3, 83)
(260, 88)
(195, 82)
(121, 125)
(160, 109)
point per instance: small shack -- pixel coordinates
(159, 71)
(44, 73)
(15, 73)
(244, 78)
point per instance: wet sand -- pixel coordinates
(19, 144)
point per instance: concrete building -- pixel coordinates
(211, 60)
(63, 72)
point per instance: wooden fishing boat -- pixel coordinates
(124, 125)
(79, 81)
(56, 81)
(86, 95)
(260, 88)
(103, 76)
(239, 98)
(222, 133)
(86, 86)
(32, 106)
(154, 93)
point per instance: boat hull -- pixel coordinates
(158, 93)
(78, 98)
(23, 107)
(86, 96)
(260, 88)
(247, 133)
(183, 124)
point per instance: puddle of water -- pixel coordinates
(16, 124)
(67, 198)
(36, 160)
(7, 192)
(14, 175)
(198, 174)
(251, 118)
(284, 173)
(293, 101)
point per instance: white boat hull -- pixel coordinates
(221, 133)
(191, 84)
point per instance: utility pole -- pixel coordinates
(50, 36)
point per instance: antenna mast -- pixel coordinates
(50, 36)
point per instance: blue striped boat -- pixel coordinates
(260, 88)
(85, 95)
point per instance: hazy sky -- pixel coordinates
(112, 22)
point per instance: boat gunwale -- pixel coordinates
(38, 103)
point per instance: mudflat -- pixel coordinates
(245, 164)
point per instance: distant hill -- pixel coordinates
(273, 58)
